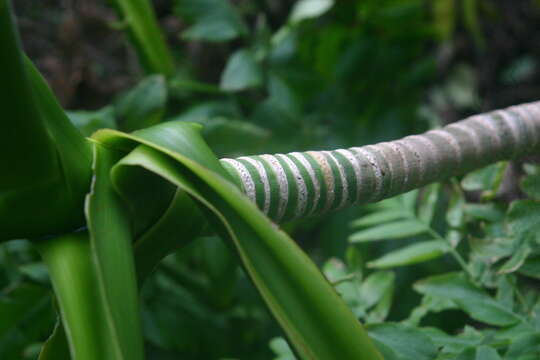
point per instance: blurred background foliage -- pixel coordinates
(282, 75)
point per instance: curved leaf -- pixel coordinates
(317, 322)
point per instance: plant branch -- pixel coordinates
(295, 185)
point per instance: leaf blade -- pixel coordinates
(289, 282)
(394, 230)
(411, 254)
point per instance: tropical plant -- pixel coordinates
(107, 209)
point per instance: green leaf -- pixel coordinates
(428, 304)
(89, 122)
(30, 155)
(411, 254)
(406, 341)
(429, 203)
(335, 270)
(467, 354)
(241, 72)
(204, 111)
(409, 200)
(531, 185)
(36, 271)
(382, 309)
(379, 217)
(112, 252)
(488, 212)
(526, 347)
(56, 346)
(220, 266)
(472, 22)
(451, 343)
(48, 159)
(346, 284)
(444, 18)
(454, 214)
(280, 347)
(523, 217)
(482, 352)
(487, 353)
(71, 268)
(213, 20)
(229, 137)
(474, 301)
(385, 350)
(146, 36)
(516, 260)
(17, 304)
(484, 179)
(143, 105)
(394, 230)
(531, 267)
(163, 237)
(314, 318)
(375, 287)
(307, 9)
(519, 70)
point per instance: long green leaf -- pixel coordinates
(110, 241)
(69, 261)
(46, 160)
(146, 36)
(315, 319)
(471, 299)
(394, 230)
(157, 207)
(408, 342)
(411, 254)
(26, 151)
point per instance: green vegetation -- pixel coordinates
(125, 237)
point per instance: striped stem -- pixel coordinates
(295, 185)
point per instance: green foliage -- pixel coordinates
(495, 252)
(212, 20)
(137, 16)
(241, 72)
(46, 159)
(142, 106)
(497, 255)
(307, 9)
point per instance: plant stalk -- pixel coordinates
(296, 185)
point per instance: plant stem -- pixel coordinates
(146, 36)
(296, 185)
(453, 252)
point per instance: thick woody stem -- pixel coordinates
(295, 185)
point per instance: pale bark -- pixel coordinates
(295, 185)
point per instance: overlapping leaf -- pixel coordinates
(311, 313)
